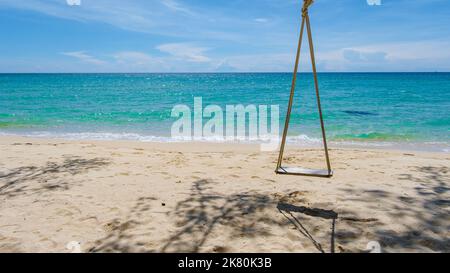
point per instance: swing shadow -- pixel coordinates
(288, 211)
(203, 213)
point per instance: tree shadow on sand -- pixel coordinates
(34, 179)
(200, 216)
(204, 214)
(431, 210)
(428, 212)
(120, 237)
(201, 212)
(247, 215)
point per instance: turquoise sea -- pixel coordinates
(385, 109)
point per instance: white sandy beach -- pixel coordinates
(196, 197)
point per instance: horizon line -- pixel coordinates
(249, 72)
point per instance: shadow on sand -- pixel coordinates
(202, 214)
(199, 214)
(250, 215)
(33, 179)
(289, 210)
(428, 211)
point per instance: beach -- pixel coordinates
(234, 127)
(125, 196)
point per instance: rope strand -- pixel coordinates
(306, 5)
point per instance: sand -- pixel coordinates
(197, 197)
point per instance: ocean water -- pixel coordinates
(379, 109)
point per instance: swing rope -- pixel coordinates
(305, 20)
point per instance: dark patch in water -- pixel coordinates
(360, 113)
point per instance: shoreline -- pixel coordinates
(122, 196)
(418, 146)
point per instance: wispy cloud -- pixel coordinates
(84, 57)
(163, 17)
(177, 7)
(233, 35)
(185, 51)
(135, 61)
(261, 20)
(395, 56)
(134, 57)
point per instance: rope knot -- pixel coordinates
(306, 5)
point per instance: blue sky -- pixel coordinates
(221, 35)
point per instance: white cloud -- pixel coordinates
(190, 57)
(135, 61)
(168, 18)
(410, 50)
(185, 51)
(353, 55)
(399, 56)
(137, 58)
(177, 7)
(257, 63)
(82, 56)
(261, 20)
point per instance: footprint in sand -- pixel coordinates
(64, 212)
(91, 219)
(296, 197)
